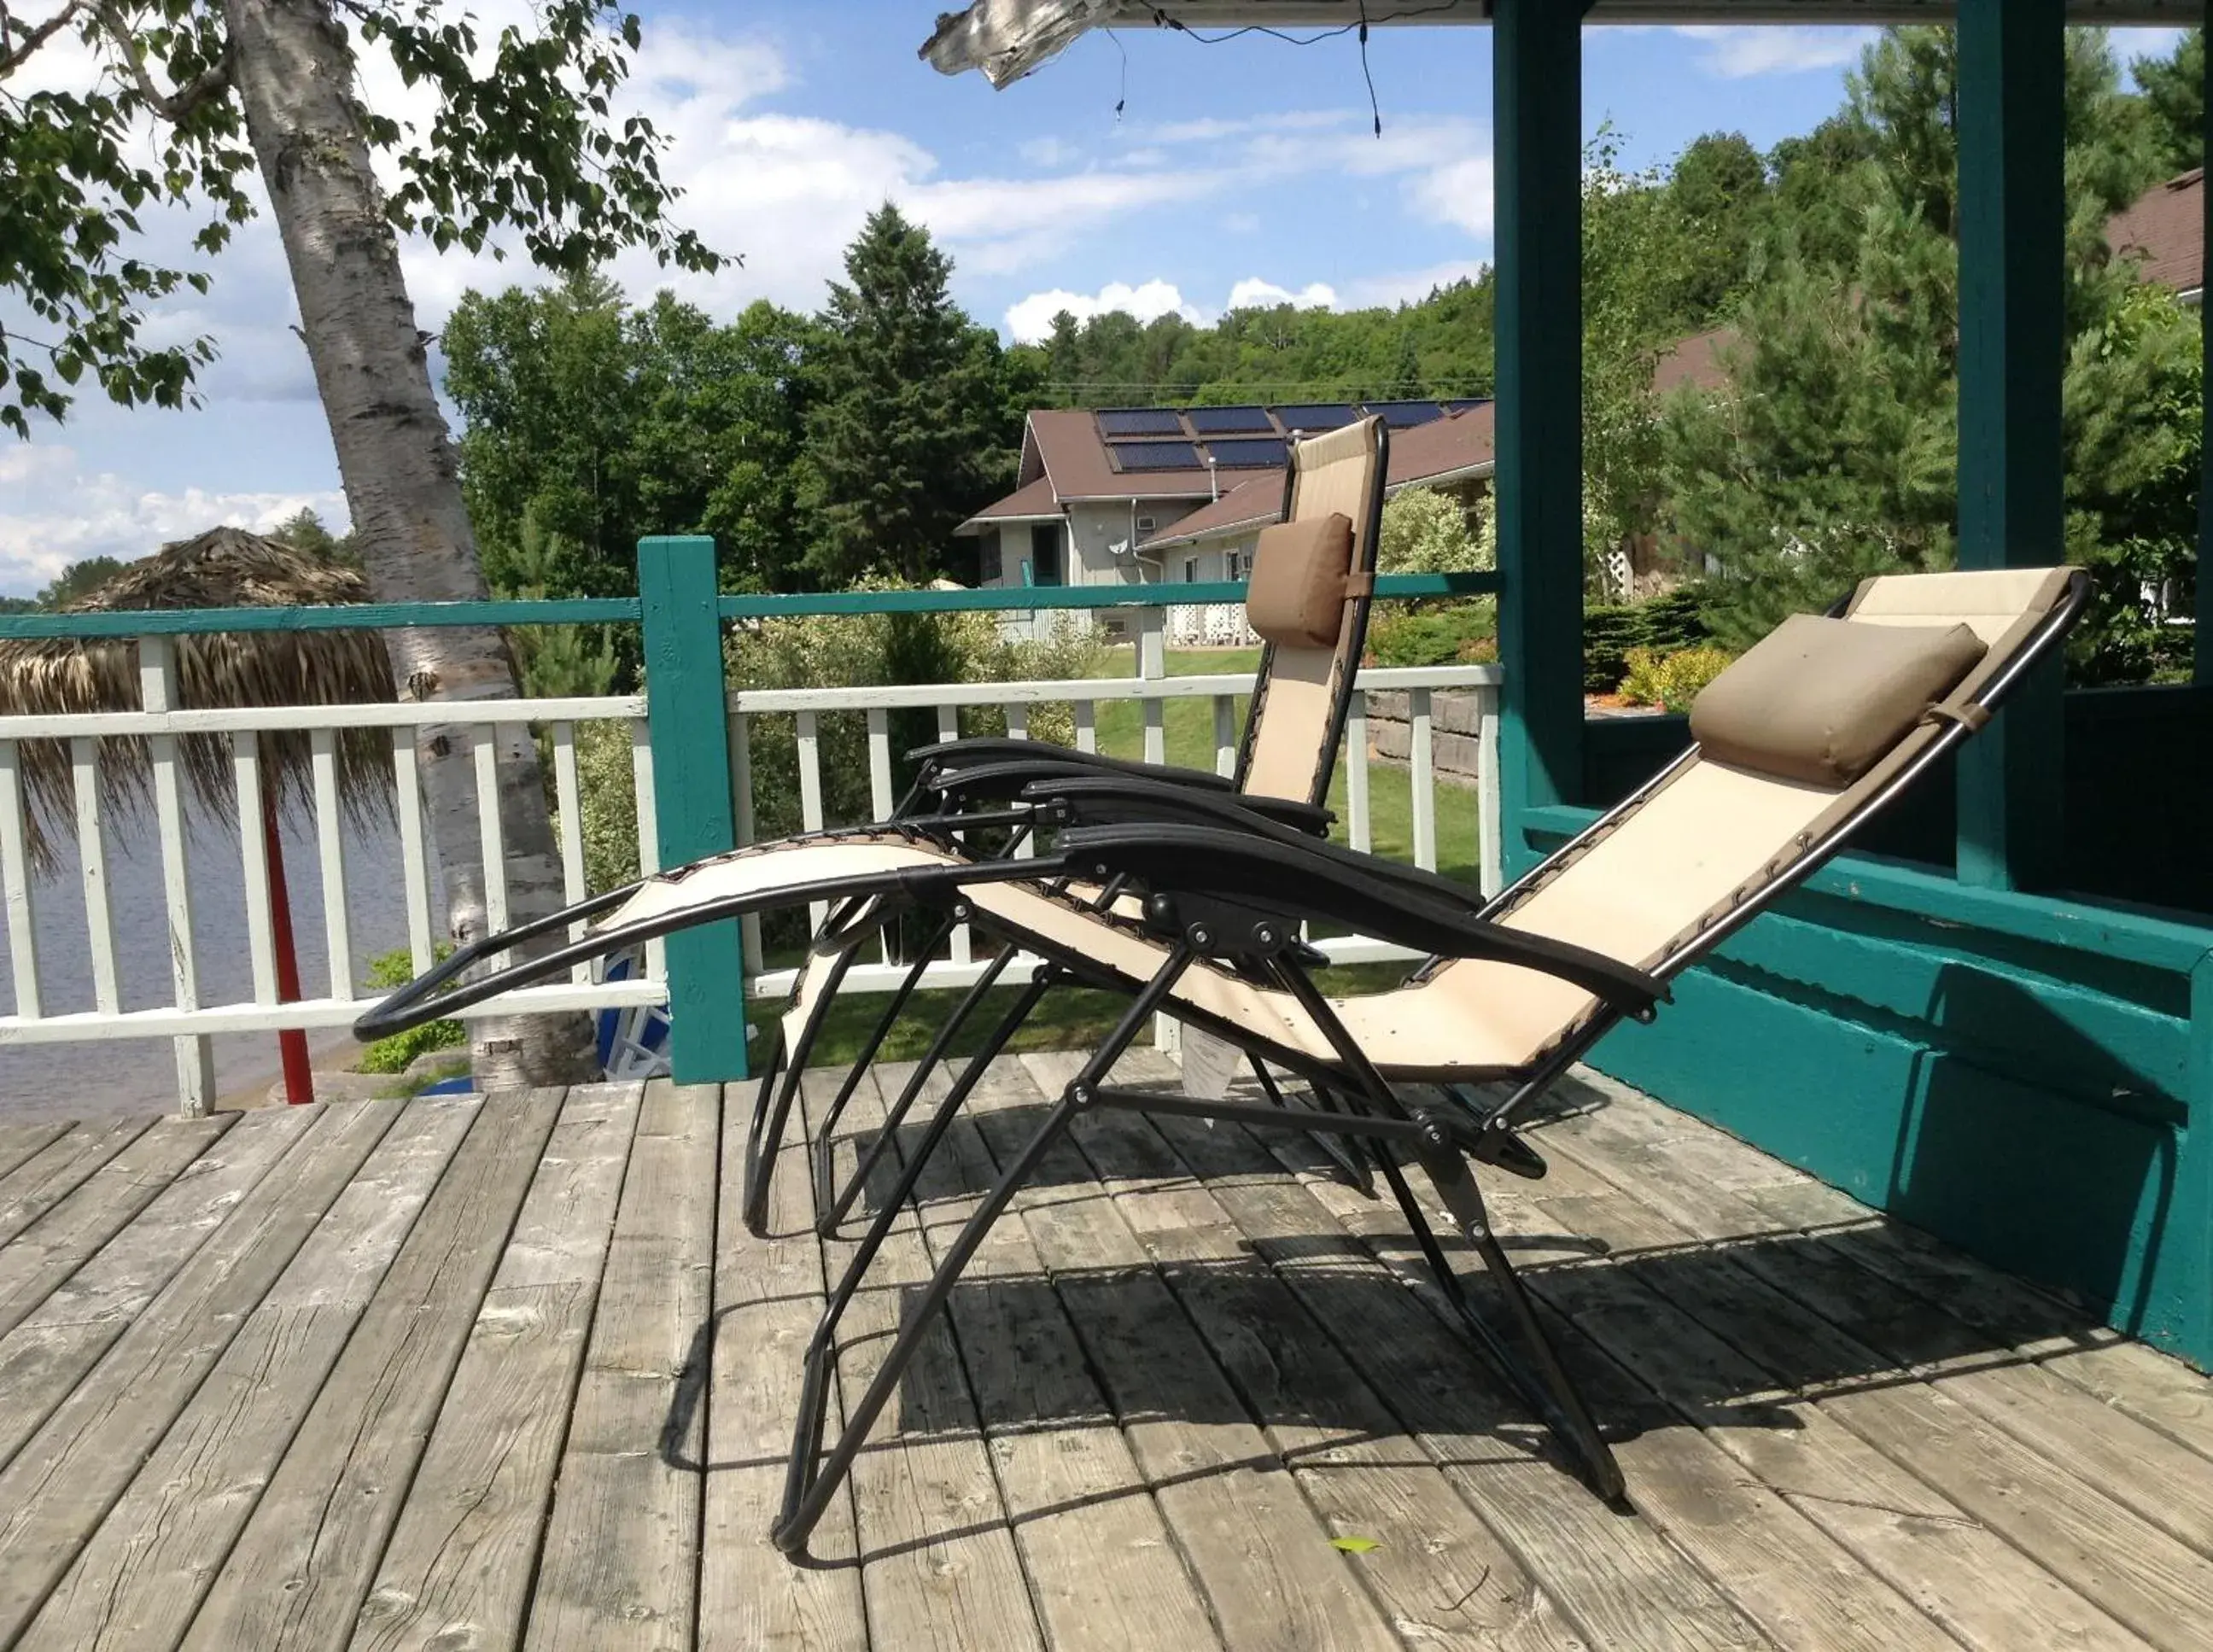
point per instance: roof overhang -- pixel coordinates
(1008, 39)
(1482, 471)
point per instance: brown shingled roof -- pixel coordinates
(1696, 361)
(1032, 502)
(1253, 503)
(2165, 230)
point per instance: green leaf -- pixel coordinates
(1355, 1545)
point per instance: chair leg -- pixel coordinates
(1538, 1375)
(832, 1204)
(774, 1098)
(867, 1055)
(1347, 1153)
(810, 1478)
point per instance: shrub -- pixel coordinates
(1433, 634)
(1671, 681)
(394, 1055)
(1664, 624)
(1426, 532)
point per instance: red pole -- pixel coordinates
(299, 1075)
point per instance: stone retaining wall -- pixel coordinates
(1452, 729)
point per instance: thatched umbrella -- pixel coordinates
(226, 568)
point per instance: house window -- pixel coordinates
(987, 557)
(1191, 570)
(1046, 554)
(1241, 564)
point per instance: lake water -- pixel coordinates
(136, 1075)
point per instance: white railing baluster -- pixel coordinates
(15, 882)
(330, 843)
(158, 692)
(1018, 723)
(880, 762)
(414, 853)
(568, 802)
(1356, 773)
(649, 832)
(1491, 853)
(1152, 668)
(808, 734)
(254, 861)
(492, 832)
(949, 727)
(1225, 735)
(1087, 725)
(880, 788)
(741, 787)
(1424, 781)
(92, 859)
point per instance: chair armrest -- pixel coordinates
(1301, 880)
(994, 748)
(1115, 800)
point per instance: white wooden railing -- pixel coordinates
(191, 1022)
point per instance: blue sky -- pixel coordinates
(1234, 172)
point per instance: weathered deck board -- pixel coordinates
(458, 1568)
(44, 1359)
(57, 1170)
(938, 1565)
(302, 1566)
(768, 1293)
(621, 1552)
(1101, 1562)
(72, 1231)
(55, 1493)
(136, 1585)
(20, 1139)
(513, 1373)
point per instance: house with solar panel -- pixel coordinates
(1172, 495)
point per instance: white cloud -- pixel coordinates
(1253, 293)
(1461, 194)
(1031, 318)
(1738, 52)
(52, 512)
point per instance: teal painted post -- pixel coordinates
(2013, 67)
(1537, 72)
(687, 722)
(2192, 1214)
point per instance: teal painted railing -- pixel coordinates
(682, 619)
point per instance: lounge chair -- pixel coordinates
(1797, 746)
(1311, 579)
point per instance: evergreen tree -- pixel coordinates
(1835, 453)
(1718, 189)
(2174, 99)
(909, 432)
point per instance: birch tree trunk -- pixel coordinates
(295, 75)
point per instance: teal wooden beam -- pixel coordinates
(2013, 67)
(687, 723)
(1537, 120)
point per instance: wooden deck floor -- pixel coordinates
(463, 1375)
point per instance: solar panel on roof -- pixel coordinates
(1228, 421)
(1398, 415)
(1140, 421)
(1251, 452)
(1315, 416)
(1155, 455)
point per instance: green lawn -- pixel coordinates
(1071, 1020)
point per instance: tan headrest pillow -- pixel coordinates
(1820, 700)
(1299, 570)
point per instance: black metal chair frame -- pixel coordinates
(958, 773)
(1216, 898)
